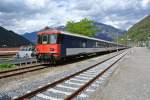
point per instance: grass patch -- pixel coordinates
(6, 66)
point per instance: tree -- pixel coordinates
(85, 27)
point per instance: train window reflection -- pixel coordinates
(53, 38)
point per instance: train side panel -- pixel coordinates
(71, 45)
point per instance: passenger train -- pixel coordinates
(54, 45)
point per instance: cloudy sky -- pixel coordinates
(30, 15)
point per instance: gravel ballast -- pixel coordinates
(23, 84)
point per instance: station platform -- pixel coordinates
(131, 81)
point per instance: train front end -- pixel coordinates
(48, 46)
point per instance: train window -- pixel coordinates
(53, 38)
(93, 44)
(104, 44)
(59, 38)
(83, 44)
(39, 39)
(45, 39)
(96, 44)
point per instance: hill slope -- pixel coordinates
(140, 31)
(32, 37)
(106, 32)
(11, 39)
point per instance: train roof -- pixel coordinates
(55, 31)
(49, 31)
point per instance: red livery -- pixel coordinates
(48, 47)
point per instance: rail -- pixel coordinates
(80, 89)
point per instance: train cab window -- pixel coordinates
(39, 39)
(44, 39)
(53, 38)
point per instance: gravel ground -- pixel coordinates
(23, 84)
(131, 80)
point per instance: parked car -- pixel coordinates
(26, 52)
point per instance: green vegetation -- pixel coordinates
(6, 66)
(84, 27)
(138, 32)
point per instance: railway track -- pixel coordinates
(23, 70)
(73, 85)
(19, 71)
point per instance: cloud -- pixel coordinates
(119, 13)
(30, 15)
(145, 4)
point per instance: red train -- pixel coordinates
(54, 45)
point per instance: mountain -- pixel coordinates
(9, 38)
(138, 32)
(106, 32)
(31, 36)
(141, 30)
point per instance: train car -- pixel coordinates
(54, 45)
